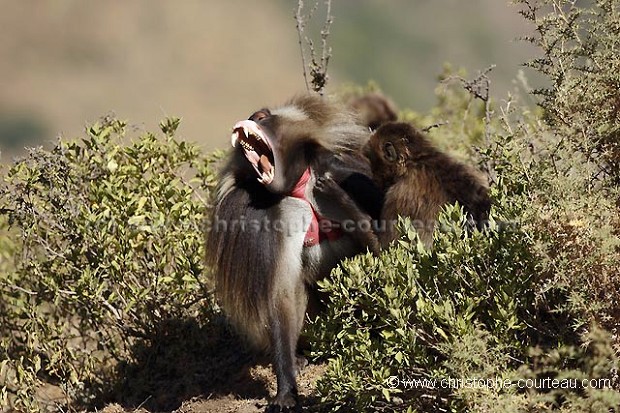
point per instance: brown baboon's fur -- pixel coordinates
(374, 109)
(418, 179)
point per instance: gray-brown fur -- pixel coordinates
(374, 109)
(264, 275)
(419, 179)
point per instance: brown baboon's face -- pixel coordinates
(389, 150)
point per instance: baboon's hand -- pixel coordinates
(325, 184)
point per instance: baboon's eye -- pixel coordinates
(390, 152)
(260, 115)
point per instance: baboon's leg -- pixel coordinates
(284, 335)
(289, 302)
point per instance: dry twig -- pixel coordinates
(317, 65)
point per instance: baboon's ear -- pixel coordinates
(390, 152)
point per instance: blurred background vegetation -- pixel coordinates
(65, 63)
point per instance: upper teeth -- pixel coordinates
(248, 128)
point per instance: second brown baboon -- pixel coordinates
(419, 179)
(374, 109)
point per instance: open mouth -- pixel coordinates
(256, 148)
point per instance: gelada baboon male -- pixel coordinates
(419, 179)
(267, 243)
(374, 109)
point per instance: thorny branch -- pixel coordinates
(317, 65)
(480, 88)
(300, 30)
(435, 125)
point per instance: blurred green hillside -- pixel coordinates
(67, 62)
(404, 44)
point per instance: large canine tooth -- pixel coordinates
(234, 138)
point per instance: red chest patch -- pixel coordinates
(320, 229)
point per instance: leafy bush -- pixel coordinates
(393, 314)
(104, 247)
(519, 301)
(579, 54)
(487, 305)
(515, 302)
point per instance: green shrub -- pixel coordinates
(579, 43)
(105, 249)
(521, 300)
(390, 316)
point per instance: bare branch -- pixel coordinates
(316, 65)
(480, 88)
(435, 125)
(301, 24)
